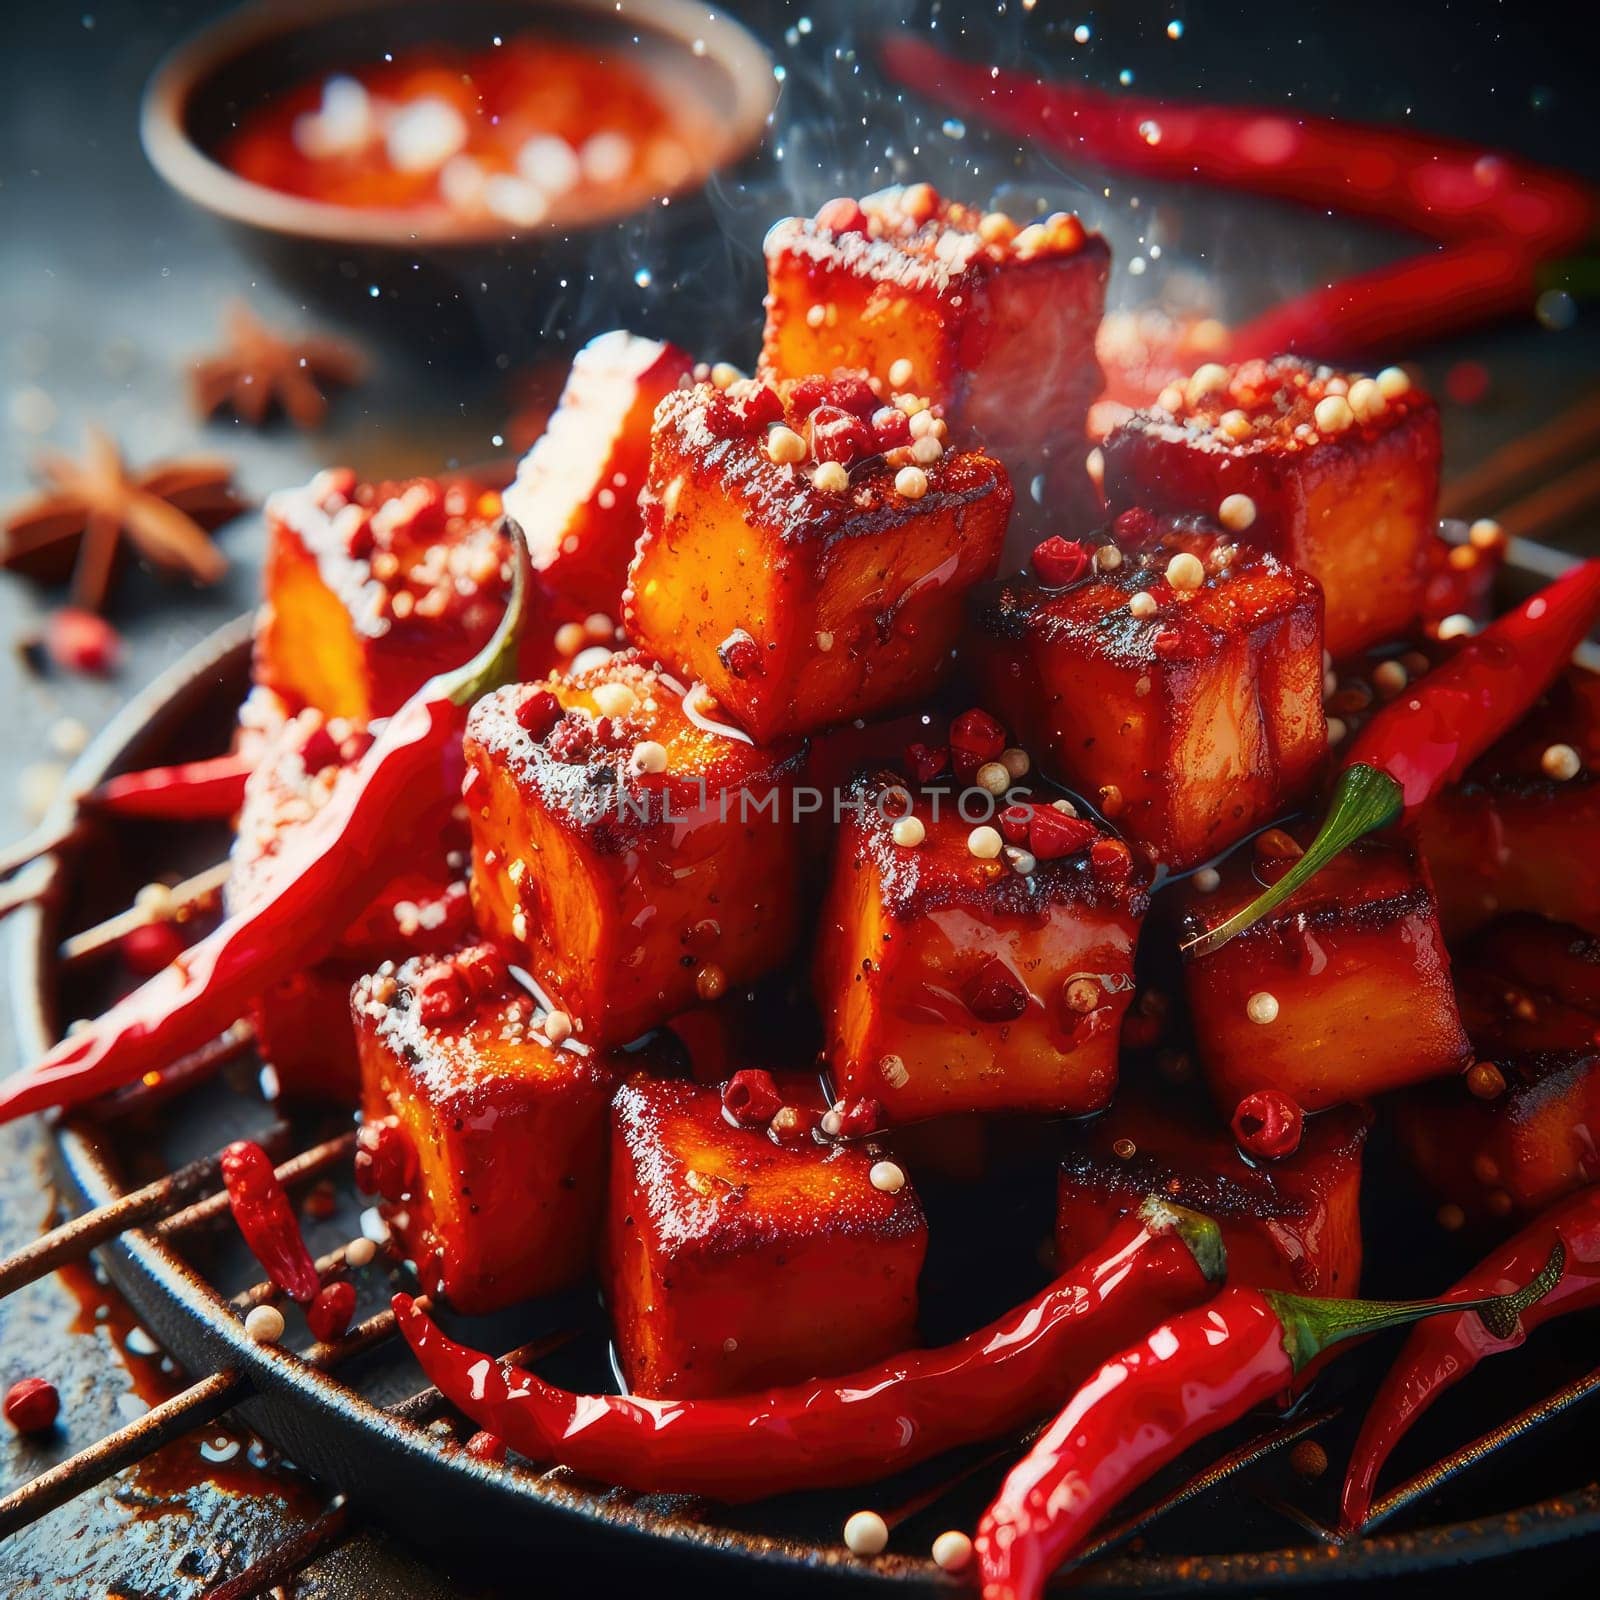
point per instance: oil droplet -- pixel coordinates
(954, 128)
(219, 1450)
(642, 277)
(1082, 33)
(1175, 29)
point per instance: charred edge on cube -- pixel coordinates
(722, 1223)
(780, 496)
(585, 765)
(942, 871)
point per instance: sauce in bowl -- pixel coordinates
(526, 131)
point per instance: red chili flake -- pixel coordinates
(328, 1316)
(32, 1405)
(484, 970)
(267, 1220)
(860, 1116)
(441, 994)
(1015, 822)
(842, 216)
(737, 416)
(359, 542)
(838, 435)
(1268, 1124)
(484, 1446)
(851, 392)
(994, 993)
(1166, 641)
(319, 750)
(1053, 835)
(1110, 860)
(570, 740)
(150, 947)
(383, 1160)
(1060, 561)
(751, 1099)
(321, 1200)
(741, 655)
(975, 737)
(80, 641)
(539, 712)
(1134, 526)
(793, 1124)
(891, 427)
(927, 761)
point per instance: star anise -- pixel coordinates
(91, 506)
(260, 367)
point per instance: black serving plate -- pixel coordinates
(1235, 1519)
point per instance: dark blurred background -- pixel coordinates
(110, 285)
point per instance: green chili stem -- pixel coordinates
(1365, 800)
(1311, 1326)
(496, 662)
(1198, 1231)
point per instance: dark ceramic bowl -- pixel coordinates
(368, 264)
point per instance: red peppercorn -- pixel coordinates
(328, 1316)
(150, 947)
(891, 427)
(32, 1405)
(975, 737)
(842, 216)
(1110, 861)
(859, 1117)
(750, 1098)
(1053, 834)
(484, 970)
(740, 654)
(1268, 1124)
(484, 1446)
(1015, 822)
(1060, 561)
(80, 641)
(1134, 526)
(995, 994)
(927, 761)
(838, 435)
(539, 712)
(383, 1160)
(441, 994)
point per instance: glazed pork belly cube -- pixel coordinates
(372, 588)
(576, 494)
(806, 557)
(1516, 833)
(1335, 474)
(1341, 992)
(1176, 685)
(485, 1138)
(992, 320)
(956, 973)
(640, 860)
(1292, 1224)
(303, 1024)
(742, 1257)
(1518, 1132)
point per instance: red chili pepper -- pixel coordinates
(267, 1220)
(188, 792)
(1187, 1379)
(852, 1429)
(342, 857)
(1428, 737)
(1501, 216)
(1440, 1354)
